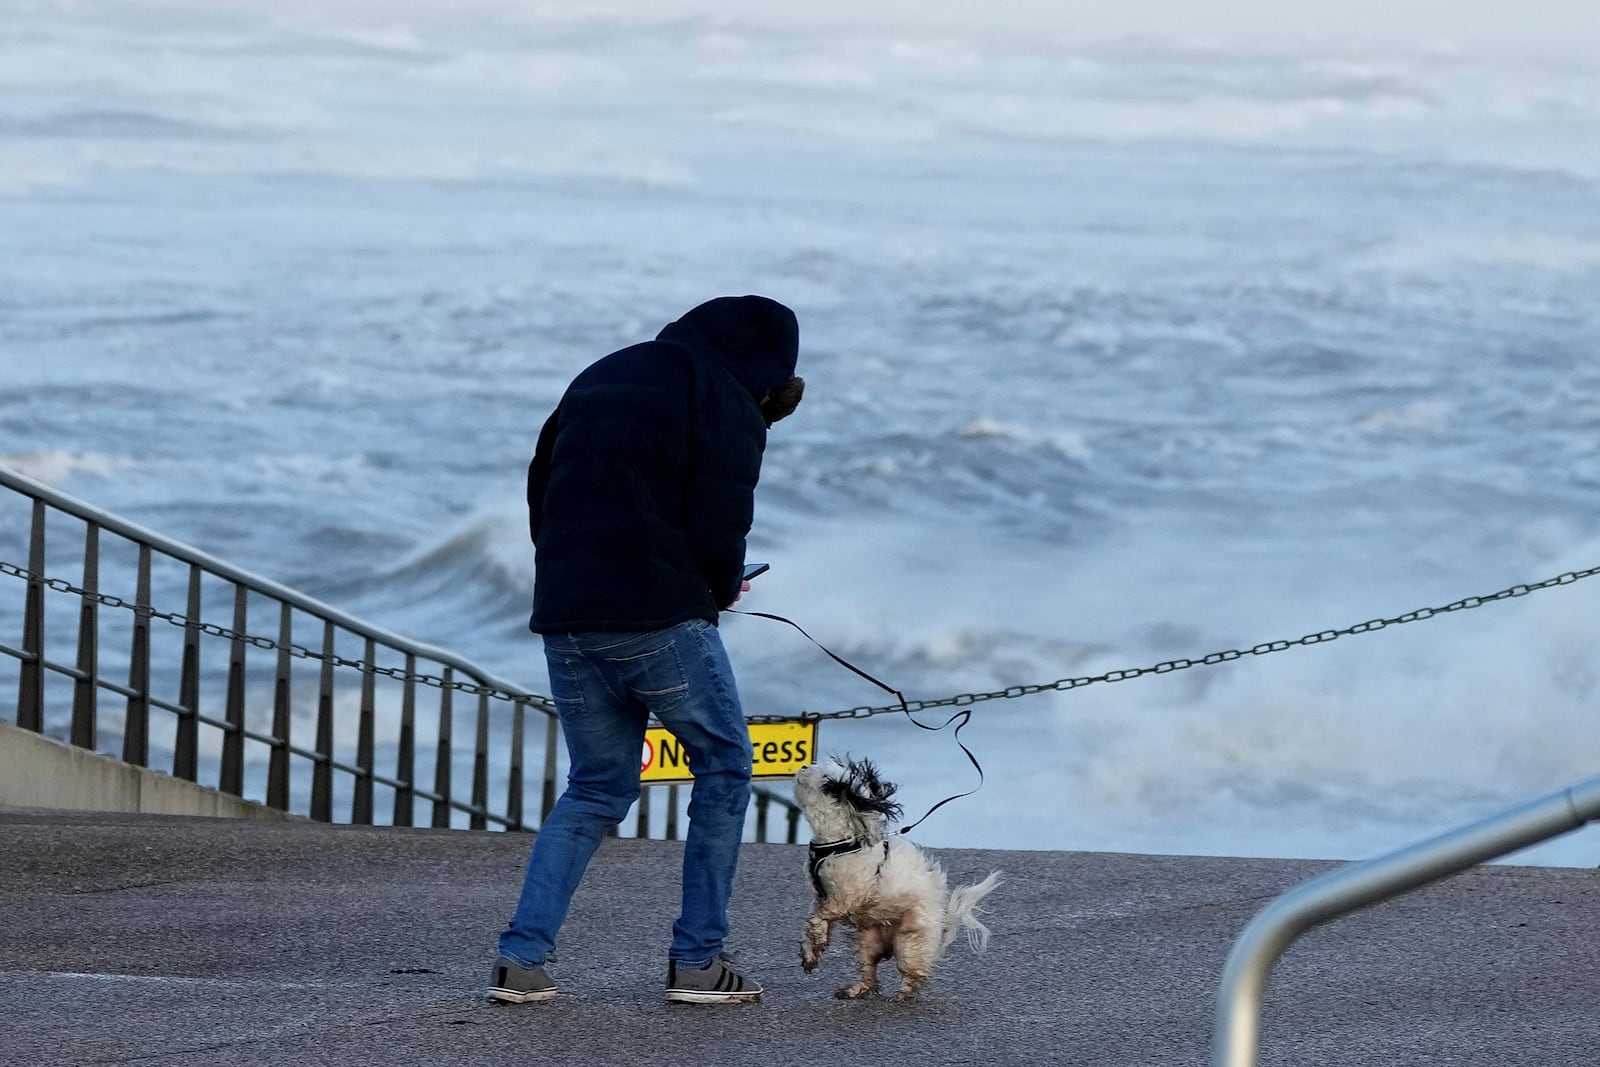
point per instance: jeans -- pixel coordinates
(606, 686)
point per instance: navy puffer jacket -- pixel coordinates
(642, 487)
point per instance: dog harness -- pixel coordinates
(826, 850)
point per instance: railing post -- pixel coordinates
(405, 771)
(136, 723)
(672, 812)
(480, 767)
(361, 801)
(763, 802)
(86, 686)
(514, 773)
(322, 769)
(231, 780)
(185, 749)
(30, 683)
(1346, 889)
(442, 756)
(641, 827)
(547, 789)
(282, 714)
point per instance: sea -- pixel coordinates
(1130, 335)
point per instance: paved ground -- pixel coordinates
(157, 940)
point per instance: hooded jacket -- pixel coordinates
(642, 487)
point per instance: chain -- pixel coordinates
(295, 651)
(1169, 666)
(1061, 685)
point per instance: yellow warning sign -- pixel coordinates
(781, 748)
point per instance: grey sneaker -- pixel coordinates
(512, 983)
(715, 983)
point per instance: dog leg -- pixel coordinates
(819, 932)
(873, 945)
(915, 949)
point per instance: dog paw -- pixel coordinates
(904, 996)
(859, 991)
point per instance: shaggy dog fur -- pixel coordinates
(893, 894)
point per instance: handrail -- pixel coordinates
(88, 682)
(1346, 889)
(266, 586)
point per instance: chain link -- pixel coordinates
(296, 651)
(1063, 685)
(1060, 685)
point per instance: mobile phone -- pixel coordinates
(753, 569)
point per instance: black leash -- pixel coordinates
(960, 718)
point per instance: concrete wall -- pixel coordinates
(41, 772)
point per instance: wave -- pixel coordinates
(23, 173)
(56, 467)
(606, 72)
(91, 323)
(579, 160)
(1422, 416)
(1337, 750)
(1556, 253)
(1257, 23)
(490, 547)
(1401, 734)
(479, 570)
(112, 123)
(1070, 445)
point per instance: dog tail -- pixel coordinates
(962, 914)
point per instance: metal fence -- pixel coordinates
(265, 692)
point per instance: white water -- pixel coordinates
(1129, 334)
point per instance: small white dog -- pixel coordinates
(888, 889)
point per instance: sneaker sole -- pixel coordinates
(513, 996)
(685, 996)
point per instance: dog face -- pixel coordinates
(845, 799)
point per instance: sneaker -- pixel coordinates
(715, 983)
(512, 983)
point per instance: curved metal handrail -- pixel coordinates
(1346, 889)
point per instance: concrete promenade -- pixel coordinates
(160, 940)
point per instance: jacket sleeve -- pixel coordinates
(726, 439)
(539, 473)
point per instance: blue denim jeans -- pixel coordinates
(606, 686)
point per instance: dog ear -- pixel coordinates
(838, 787)
(869, 792)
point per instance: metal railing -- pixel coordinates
(1346, 889)
(364, 701)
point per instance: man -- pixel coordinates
(640, 496)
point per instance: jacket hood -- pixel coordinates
(755, 337)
